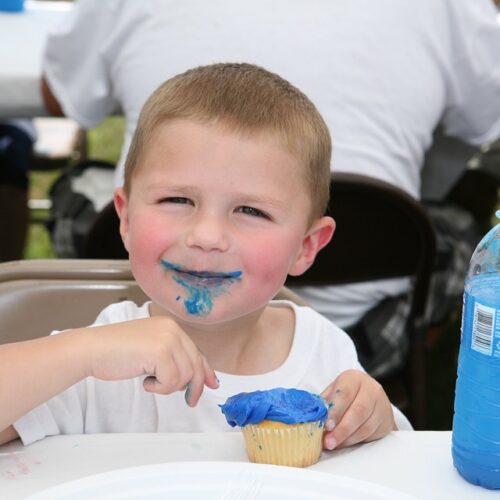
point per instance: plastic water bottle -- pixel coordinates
(12, 5)
(476, 423)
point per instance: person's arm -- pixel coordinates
(8, 435)
(49, 99)
(360, 412)
(32, 372)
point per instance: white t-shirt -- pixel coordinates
(382, 73)
(320, 351)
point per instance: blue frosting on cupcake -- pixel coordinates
(290, 406)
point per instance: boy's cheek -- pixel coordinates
(270, 269)
(147, 235)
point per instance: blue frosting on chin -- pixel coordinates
(290, 406)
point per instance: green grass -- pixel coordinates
(104, 143)
(39, 245)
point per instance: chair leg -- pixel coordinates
(14, 216)
(418, 382)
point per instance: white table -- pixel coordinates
(418, 463)
(22, 39)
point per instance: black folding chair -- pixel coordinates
(381, 233)
(103, 241)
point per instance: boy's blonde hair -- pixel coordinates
(249, 100)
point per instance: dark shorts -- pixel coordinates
(16, 150)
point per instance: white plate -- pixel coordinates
(218, 481)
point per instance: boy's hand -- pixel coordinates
(155, 346)
(361, 410)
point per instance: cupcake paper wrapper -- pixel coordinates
(295, 445)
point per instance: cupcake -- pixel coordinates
(280, 426)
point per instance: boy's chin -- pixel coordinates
(218, 314)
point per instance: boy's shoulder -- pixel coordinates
(125, 310)
(309, 320)
(320, 348)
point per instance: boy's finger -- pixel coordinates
(203, 375)
(343, 431)
(185, 369)
(194, 390)
(149, 384)
(197, 384)
(340, 398)
(211, 379)
(366, 432)
(152, 384)
(345, 428)
(352, 426)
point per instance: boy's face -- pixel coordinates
(215, 221)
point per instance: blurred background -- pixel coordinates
(104, 143)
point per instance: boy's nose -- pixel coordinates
(208, 233)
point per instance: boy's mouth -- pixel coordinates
(202, 286)
(200, 278)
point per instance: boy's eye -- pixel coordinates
(254, 212)
(177, 200)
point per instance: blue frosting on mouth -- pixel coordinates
(290, 406)
(202, 286)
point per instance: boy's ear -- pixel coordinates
(121, 206)
(318, 236)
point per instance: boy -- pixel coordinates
(225, 188)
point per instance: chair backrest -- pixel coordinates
(103, 241)
(39, 296)
(382, 232)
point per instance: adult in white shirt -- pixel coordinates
(382, 73)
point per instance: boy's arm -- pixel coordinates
(8, 435)
(32, 372)
(49, 99)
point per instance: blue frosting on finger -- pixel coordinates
(290, 406)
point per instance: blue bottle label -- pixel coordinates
(482, 323)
